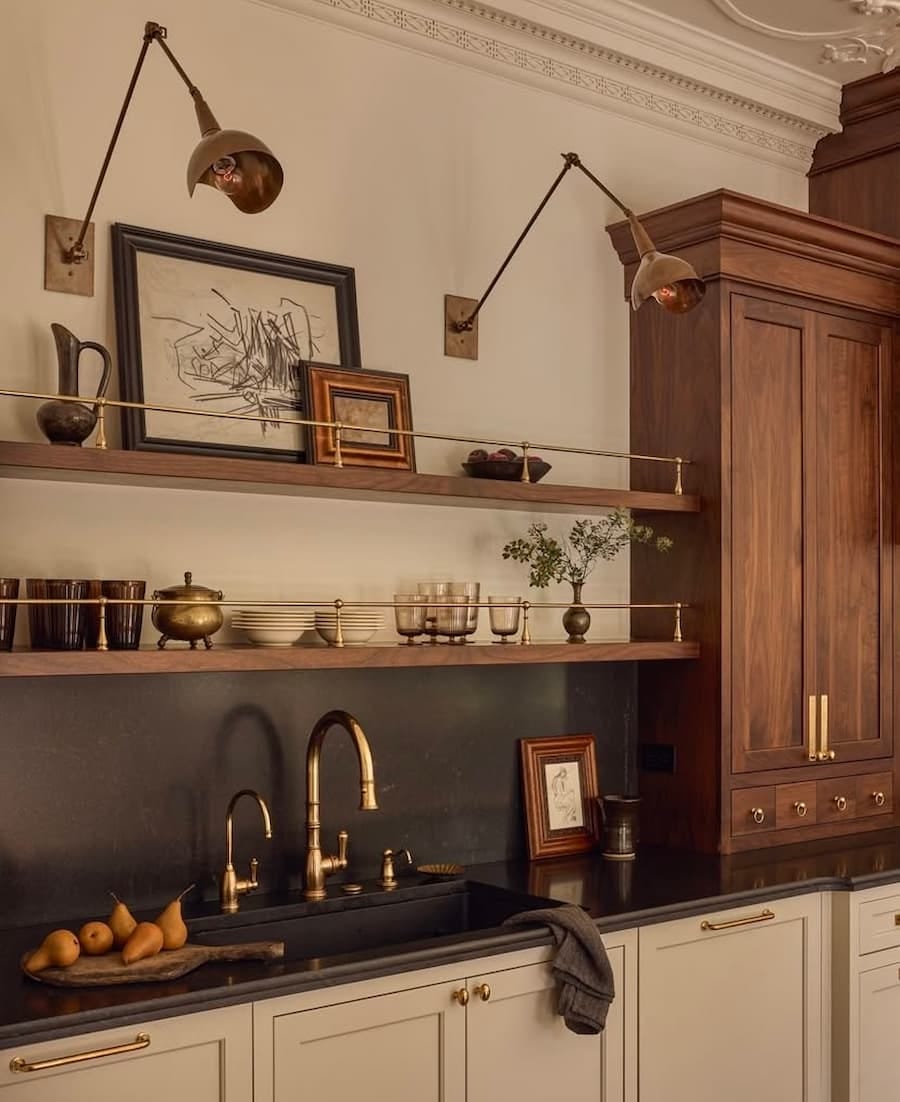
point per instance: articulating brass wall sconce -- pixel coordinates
(671, 281)
(238, 164)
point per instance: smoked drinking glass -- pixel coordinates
(437, 590)
(472, 590)
(504, 617)
(409, 611)
(9, 587)
(453, 617)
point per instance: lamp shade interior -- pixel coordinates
(670, 280)
(240, 166)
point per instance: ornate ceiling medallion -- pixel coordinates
(878, 37)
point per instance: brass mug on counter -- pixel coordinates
(619, 826)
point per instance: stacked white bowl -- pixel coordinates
(273, 627)
(357, 625)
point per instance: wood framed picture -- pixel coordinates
(559, 778)
(212, 327)
(370, 406)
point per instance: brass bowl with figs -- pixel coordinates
(503, 464)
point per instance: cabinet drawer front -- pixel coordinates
(875, 794)
(879, 924)
(795, 805)
(752, 810)
(836, 799)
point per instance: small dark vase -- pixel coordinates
(576, 620)
(71, 422)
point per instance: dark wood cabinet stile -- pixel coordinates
(781, 386)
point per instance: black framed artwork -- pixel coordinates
(214, 328)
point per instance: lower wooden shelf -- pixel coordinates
(230, 659)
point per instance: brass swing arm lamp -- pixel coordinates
(236, 163)
(671, 281)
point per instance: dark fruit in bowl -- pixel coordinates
(477, 455)
(500, 457)
(507, 453)
(506, 469)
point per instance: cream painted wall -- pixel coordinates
(418, 172)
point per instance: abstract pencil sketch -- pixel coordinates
(563, 781)
(229, 341)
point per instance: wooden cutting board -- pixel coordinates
(167, 965)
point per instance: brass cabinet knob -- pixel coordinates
(759, 816)
(840, 802)
(461, 996)
(483, 991)
(801, 808)
(878, 797)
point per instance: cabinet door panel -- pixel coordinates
(519, 1048)
(771, 383)
(879, 1028)
(408, 1045)
(853, 534)
(734, 1013)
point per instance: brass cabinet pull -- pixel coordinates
(801, 808)
(759, 816)
(462, 996)
(840, 802)
(878, 797)
(19, 1063)
(483, 991)
(765, 916)
(824, 753)
(812, 733)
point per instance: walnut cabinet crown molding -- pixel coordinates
(617, 56)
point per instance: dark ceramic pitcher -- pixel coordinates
(71, 422)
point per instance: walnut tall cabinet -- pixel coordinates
(781, 387)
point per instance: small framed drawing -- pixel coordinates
(559, 777)
(368, 405)
(223, 329)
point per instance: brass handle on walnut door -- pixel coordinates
(824, 753)
(840, 802)
(758, 815)
(812, 733)
(878, 797)
(801, 809)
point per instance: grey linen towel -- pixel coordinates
(581, 968)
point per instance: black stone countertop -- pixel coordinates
(659, 885)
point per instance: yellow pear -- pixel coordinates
(59, 949)
(175, 933)
(122, 922)
(146, 941)
(95, 938)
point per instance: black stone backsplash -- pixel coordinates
(122, 782)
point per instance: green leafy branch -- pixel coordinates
(588, 542)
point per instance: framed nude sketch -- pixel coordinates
(559, 778)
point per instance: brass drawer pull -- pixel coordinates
(878, 797)
(801, 808)
(483, 991)
(759, 816)
(765, 916)
(840, 802)
(462, 996)
(19, 1063)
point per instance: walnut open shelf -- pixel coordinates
(147, 468)
(230, 659)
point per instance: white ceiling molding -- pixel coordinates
(876, 38)
(581, 68)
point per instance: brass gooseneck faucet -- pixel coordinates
(317, 866)
(232, 887)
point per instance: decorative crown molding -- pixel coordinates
(711, 111)
(878, 37)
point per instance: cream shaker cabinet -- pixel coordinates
(866, 985)
(731, 1005)
(205, 1057)
(488, 1033)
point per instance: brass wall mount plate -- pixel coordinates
(445, 870)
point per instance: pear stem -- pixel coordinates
(115, 897)
(184, 893)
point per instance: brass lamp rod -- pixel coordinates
(571, 160)
(153, 32)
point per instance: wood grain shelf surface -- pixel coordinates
(231, 659)
(147, 468)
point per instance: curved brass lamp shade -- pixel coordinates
(235, 163)
(670, 280)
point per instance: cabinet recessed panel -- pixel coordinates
(879, 1028)
(768, 382)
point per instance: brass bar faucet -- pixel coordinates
(232, 887)
(317, 866)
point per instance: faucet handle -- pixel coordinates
(343, 840)
(388, 879)
(253, 882)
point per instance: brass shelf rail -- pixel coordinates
(339, 427)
